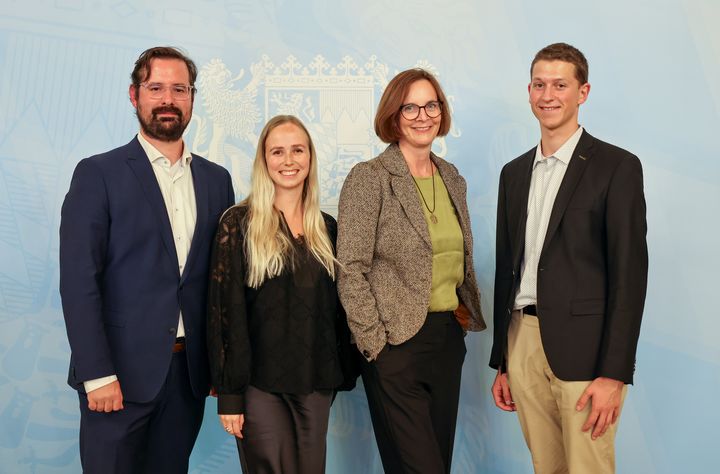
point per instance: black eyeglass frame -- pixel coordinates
(438, 102)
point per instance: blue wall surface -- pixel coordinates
(654, 70)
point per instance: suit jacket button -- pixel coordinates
(172, 330)
(366, 353)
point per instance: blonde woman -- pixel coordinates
(273, 314)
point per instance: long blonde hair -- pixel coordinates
(268, 250)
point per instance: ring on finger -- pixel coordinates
(228, 429)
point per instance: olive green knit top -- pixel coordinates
(447, 243)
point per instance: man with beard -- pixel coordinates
(135, 235)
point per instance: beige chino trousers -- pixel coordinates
(546, 409)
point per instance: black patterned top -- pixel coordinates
(282, 337)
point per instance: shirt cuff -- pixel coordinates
(95, 384)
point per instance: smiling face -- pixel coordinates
(165, 118)
(287, 156)
(420, 132)
(555, 96)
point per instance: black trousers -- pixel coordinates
(413, 391)
(155, 437)
(284, 433)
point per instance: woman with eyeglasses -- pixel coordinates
(407, 279)
(276, 329)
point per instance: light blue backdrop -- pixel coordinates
(654, 70)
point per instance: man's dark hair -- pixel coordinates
(567, 53)
(142, 65)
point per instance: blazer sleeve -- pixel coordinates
(347, 351)
(503, 278)
(469, 291)
(358, 213)
(230, 191)
(227, 328)
(627, 264)
(84, 229)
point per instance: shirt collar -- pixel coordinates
(154, 154)
(564, 153)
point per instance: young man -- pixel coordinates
(571, 276)
(135, 235)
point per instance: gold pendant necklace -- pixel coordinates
(433, 218)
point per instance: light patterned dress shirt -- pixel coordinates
(547, 175)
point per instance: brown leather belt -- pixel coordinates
(530, 310)
(179, 344)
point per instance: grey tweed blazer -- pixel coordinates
(385, 251)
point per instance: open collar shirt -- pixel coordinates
(178, 192)
(547, 176)
(176, 186)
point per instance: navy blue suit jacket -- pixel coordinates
(120, 285)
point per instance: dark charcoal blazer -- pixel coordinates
(592, 274)
(386, 254)
(119, 280)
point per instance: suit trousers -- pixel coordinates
(155, 437)
(413, 390)
(546, 409)
(284, 433)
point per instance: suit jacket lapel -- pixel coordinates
(404, 188)
(521, 189)
(141, 167)
(456, 190)
(202, 203)
(578, 163)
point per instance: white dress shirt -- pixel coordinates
(547, 175)
(178, 192)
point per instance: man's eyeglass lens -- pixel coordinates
(177, 91)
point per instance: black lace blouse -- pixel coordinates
(282, 337)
